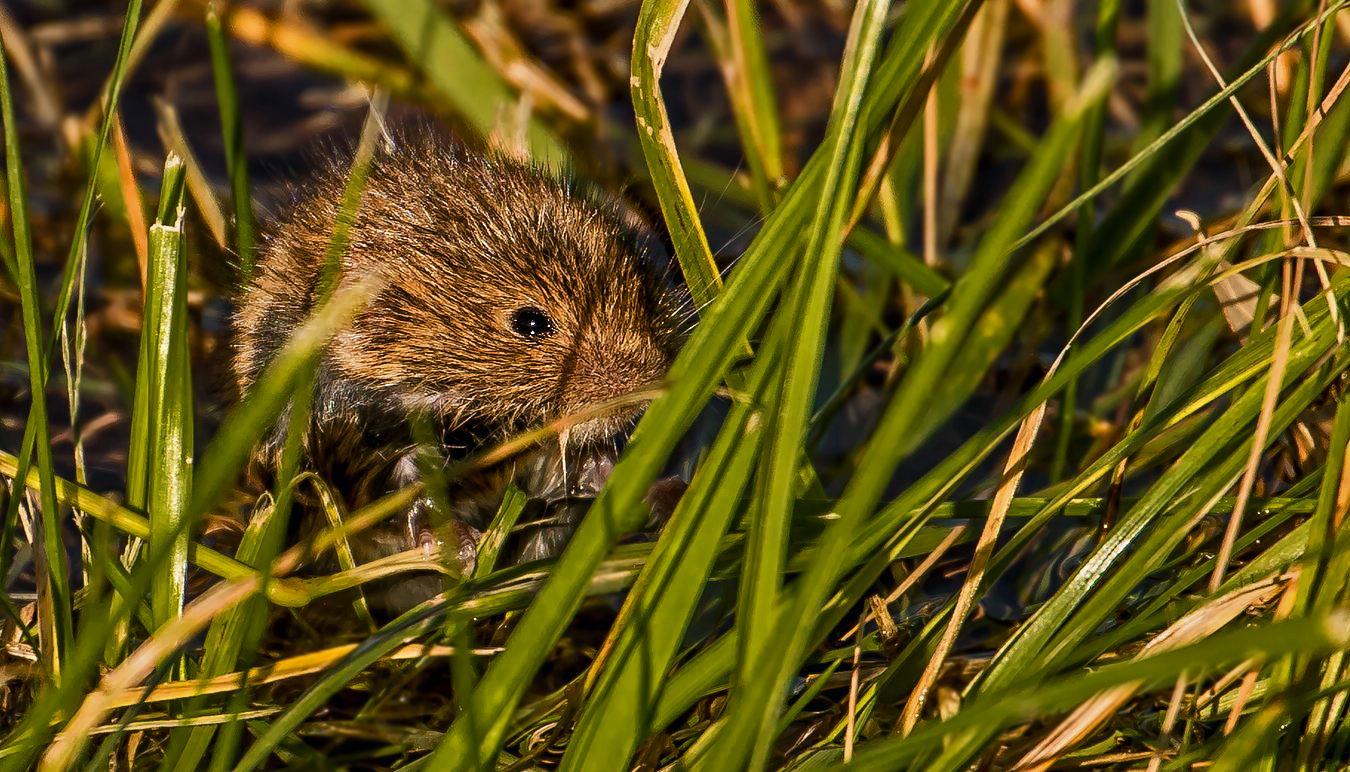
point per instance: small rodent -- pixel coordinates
(508, 300)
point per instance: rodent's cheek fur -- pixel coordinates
(438, 383)
(472, 367)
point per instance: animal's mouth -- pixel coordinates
(602, 430)
(594, 464)
(568, 470)
(591, 422)
(589, 449)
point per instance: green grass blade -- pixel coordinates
(56, 616)
(806, 314)
(656, 27)
(898, 261)
(1034, 696)
(165, 375)
(231, 128)
(645, 637)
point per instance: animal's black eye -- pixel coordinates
(531, 323)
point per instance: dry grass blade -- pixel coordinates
(1277, 170)
(980, 59)
(920, 571)
(1274, 384)
(280, 670)
(1276, 167)
(131, 199)
(1170, 718)
(137, 667)
(208, 206)
(1199, 624)
(984, 550)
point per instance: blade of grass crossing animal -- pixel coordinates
(239, 633)
(700, 366)
(352, 190)
(271, 395)
(55, 621)
(646, 636)
(494, 537)
(807, 313)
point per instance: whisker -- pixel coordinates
(723, 192)
(755, 222)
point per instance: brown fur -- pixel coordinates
(462, 242)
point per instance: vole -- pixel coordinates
(509, 299)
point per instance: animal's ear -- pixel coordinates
(640, 216)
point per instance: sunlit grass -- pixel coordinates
(1170, 515)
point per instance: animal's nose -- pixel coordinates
(616, 374)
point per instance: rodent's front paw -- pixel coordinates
(664, 495)
(456, 544)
